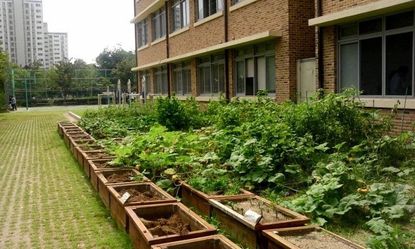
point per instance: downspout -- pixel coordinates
(136, 48)
(226, 28)
(319, 13)
(166, 8)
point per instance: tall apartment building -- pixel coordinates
(23, 33)
(56, 48)
(235, 47)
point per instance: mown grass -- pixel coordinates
(46, 200)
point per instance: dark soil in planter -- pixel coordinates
(97, 155)
(164, 227)
(137, 196)
(316, 240)
(269, 214)
(121, 177)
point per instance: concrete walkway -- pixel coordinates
(45, 201)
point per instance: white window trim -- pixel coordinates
(241, 4)
(158, 40)
(143, 47)
(179, 31)
(380, 102)
(208, 19)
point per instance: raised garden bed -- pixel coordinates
(92, 155)
(231, 216)
(308, 237)
(156, 224)
(209, 242)
(69, 137)
(77, 142)
(140, 194)
(65, 126)
(78, 149)
(199, 200)
(121, 176)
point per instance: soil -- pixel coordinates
(269, 213)
(90, 147)
(97, 155)
(137, 196)
(101, 165)
(121, 177)
(163, 227)
(316, 240)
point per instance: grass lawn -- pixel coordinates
(46, 201)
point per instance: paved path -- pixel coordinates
(45, 201)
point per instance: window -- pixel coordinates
(160, 81)
(180, 10)
(376, 56)
(255, 69)
(182, 79)
(208, 7)
(211, 74)
(159, 24)
(142, 33)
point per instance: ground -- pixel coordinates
(46, 202)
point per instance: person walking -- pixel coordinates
(14, 107)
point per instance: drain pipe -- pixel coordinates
(166, 8)
(226, 28)
(136, 48)
(319, 12)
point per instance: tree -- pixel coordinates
(119, 62)
(4, 65)
(64, 74)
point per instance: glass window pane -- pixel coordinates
(349, 66)
(400, 20)
(271, 74)
(250, 88)
(212, 7)
(371, 26)
(371, 66)
(215, 81)
(348, 30)
(201, 7)
(399, 57)
(221, 78)
(240, 77)
(261, 76)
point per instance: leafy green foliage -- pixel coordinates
(330, 157)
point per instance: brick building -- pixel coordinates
(236, 47)
(369, 45)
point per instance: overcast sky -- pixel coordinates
(92, 25)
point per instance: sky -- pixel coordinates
(92, 25)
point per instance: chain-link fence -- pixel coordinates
(41, 88)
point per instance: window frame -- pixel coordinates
(184, 14)
(383, 34)
(255, 55)
(142, 34)
(219, 7)
(182, 68)
(158, 18)
(160, 73)
(210, 63)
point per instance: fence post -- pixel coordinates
(13, 84)
(25, 86)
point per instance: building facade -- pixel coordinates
(56, 48)
(205, 48)
(23, 34)
(369, 45)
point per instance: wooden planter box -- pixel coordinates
(65, 125)
(81, 147)
(246, 232)
(306, 237)
(73, 138)
(209, 242)
(70, 136)
(78, 142)
(143, 236)
(199, 200)
(152, 195)
(85, 156)
(101, 181)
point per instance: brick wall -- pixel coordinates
(330, 6)
(402, 120)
